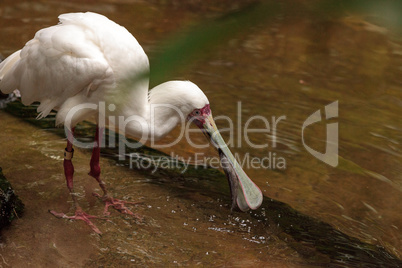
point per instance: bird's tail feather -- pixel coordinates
(45, 108)
(7, 83)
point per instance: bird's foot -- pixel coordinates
(117, 204)
(80, 215)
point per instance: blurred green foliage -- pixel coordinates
(196, 41)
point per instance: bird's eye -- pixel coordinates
(197, 112)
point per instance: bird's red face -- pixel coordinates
(244, 192)
(199, 116)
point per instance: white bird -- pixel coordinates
(87, 59)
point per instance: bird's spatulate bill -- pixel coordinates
(243, 189)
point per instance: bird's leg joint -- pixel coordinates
(68, 155)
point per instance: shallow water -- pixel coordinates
(290, 67)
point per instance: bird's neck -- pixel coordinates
(157, 117)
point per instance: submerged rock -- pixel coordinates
(11, 206)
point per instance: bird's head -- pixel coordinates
(194, 106)
(244, 192)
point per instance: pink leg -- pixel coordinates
(119, 205)
(69, 172)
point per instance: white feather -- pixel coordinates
(87, 58)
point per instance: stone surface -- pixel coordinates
(11, 206)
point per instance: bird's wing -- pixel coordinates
(124, 54)
(85, 52)
(58, 63)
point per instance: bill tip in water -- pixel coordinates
(245, 194)
(250, 198)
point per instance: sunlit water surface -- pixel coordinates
(291, 67)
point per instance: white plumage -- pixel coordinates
(88, 59)
(85, 59)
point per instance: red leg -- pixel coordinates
(117, 204)
(69, 172)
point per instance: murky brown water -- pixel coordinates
(290, 67)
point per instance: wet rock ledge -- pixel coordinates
(11, 206)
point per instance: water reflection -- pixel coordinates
(288, 75)
(291, 67)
